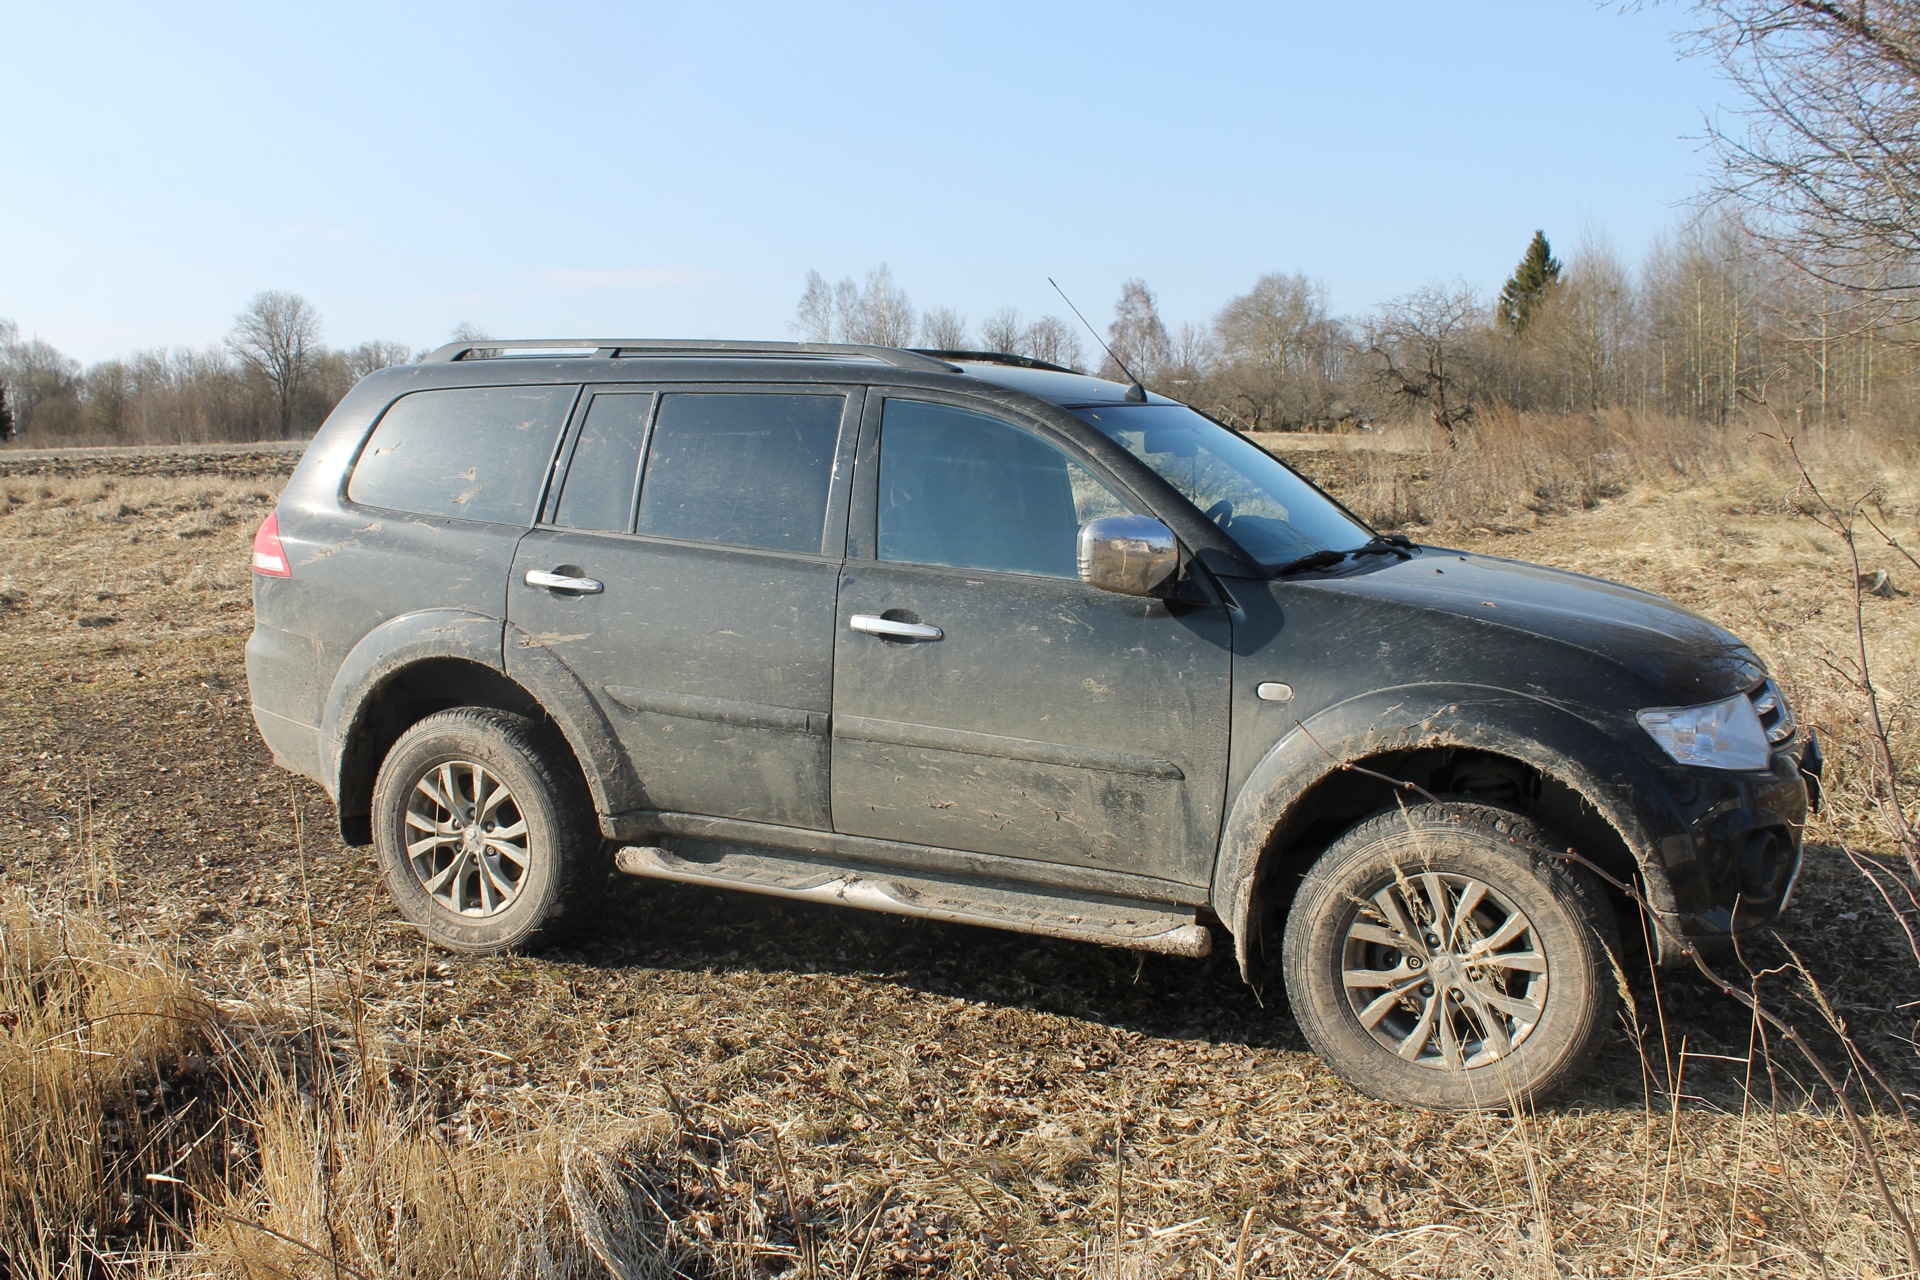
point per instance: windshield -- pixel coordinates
(1271, 512)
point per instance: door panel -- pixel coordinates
(1051, 721)
(710, 662)
(707, 637)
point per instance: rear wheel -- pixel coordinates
(487, 841)
(1433, 958)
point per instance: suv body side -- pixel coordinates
(381, 599)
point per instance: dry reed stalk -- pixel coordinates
(102, 1114)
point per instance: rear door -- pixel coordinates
(685, 571)
(987, 700)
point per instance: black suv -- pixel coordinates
(976, 638)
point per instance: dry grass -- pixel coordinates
(739, 1087)
(145, 1126)
(1506, 470)
(91, 1031)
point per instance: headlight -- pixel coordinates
(1720, 735)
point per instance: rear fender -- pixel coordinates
(432, 635)
(385, 651)
(610, 775)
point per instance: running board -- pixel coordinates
(1111, 921)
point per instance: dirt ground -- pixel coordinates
(939, 1099)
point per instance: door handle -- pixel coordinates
(561, 582)
(877, 626)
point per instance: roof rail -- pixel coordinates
(616, 348)
(993, 357)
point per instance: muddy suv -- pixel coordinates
(979, 639)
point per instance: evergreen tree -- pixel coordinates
(1528, 287)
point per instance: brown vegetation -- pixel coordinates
(190, 965)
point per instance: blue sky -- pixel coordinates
(675, 170)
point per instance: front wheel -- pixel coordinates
(1436, 956)
(487, 840)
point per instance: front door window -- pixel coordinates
(964, 489)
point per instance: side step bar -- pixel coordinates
(1111, 921)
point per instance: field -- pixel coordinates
(265, 1073)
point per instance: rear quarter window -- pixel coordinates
(472, 453)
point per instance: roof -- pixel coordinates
(1036, 378)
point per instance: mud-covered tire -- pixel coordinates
(1410, 998)
(485, 834)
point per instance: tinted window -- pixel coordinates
(606, 459)
(478, 453)
(749, 470)
(964, 489)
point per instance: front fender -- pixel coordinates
(1547, 737)
(392, 646)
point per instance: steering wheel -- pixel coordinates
(1221, 513)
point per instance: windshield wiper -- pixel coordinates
(1381, 544)
(1385, 544)
(1312, 560)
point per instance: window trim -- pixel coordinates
(863, 541)
(576, 425)
(833, 535)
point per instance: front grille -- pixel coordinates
(1776, 717)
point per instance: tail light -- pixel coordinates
(269, 557)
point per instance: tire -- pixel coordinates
(519, 884)
(1390, 1002)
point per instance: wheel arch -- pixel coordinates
(416, 665)
(1361, 757)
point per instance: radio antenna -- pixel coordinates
(1136, 392)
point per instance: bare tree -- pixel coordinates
(1420, 341)
(1137, 335)
(278, 335)
(41, 383)
(846, 306)
(1276, 343)
(1191, 355)
(468, 331)
(1002, 332)
(885, 317)
(109, 398)
(813, 318)
(9, 334)
(1700, 300)
(369, 356)
(944, 329)
(1826, 155)
(1051, 339)
(1586, 324)
(878, 313)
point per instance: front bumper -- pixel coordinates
(1742, 854)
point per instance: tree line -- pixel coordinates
(271, 378)
(1712, 319)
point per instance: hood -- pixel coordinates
(1676, 650)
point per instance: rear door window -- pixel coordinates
(746, 469)
(472, 453)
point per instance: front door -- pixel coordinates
(987, 700)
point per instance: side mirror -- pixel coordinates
(1132, 555)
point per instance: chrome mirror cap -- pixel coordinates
(1132, 555)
